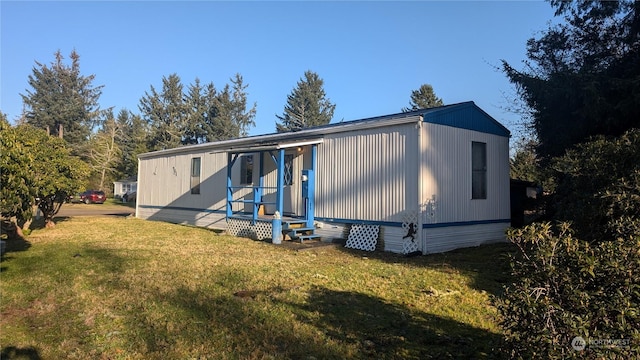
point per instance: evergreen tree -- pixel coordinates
(240, 116)
(201, 115)
(132, 142)
(221, 115)
(583, 75)
(232, 119)
(166, 114)
(209, 127)
(196, 129)
(307, 105)
(578, 276)
(423, 98)
(524, 164)
(62, 100)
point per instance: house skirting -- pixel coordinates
(257, 230)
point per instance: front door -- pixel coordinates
(292, 166)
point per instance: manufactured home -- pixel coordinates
(424, 181)
(124, 187)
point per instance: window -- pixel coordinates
(478, 170)
(195, 176)
(288, 169)
(128, 188)
(246, 170)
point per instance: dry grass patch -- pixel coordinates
(122, 288)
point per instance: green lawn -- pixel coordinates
(122, 288)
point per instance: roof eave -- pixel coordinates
(280, 138)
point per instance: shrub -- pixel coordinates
(582, 276)
(569, 287)
(599, 186)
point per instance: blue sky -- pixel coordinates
(371, 55)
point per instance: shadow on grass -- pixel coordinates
(211, 321)
(327, 324)
(15, 244)
(37, 224)
(389, 330)
(14, 353)
(59, 273)
(487, 266)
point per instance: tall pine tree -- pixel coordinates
(166, 113)
(132, 142)
(198, 103)
(232, 118)
(423, 98)
(583, 75)
(307, 105)
(200, 115)
(62, 100)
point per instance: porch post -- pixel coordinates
(311, 199)
(277, 220)
(229, 189)
(230, 161)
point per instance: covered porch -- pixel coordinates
(268, 175)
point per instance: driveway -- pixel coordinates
(72, 210)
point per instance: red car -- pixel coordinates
(93, 197)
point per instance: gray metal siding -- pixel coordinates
(446, 178)
(446, 175)
(367, 174)
(453, 237)
(164, 188)
(376, 174)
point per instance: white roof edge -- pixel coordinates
(275, 146)
(300, 143)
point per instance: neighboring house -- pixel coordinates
(424, 181)
(125, 186)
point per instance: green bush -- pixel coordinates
(568, 287)
(581, 278)
(598, 185)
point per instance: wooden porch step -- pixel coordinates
(308, 237)
(302, 233)
(293, 224)
(300, 229)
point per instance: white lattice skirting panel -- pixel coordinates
(243, 228)
(363, 237)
